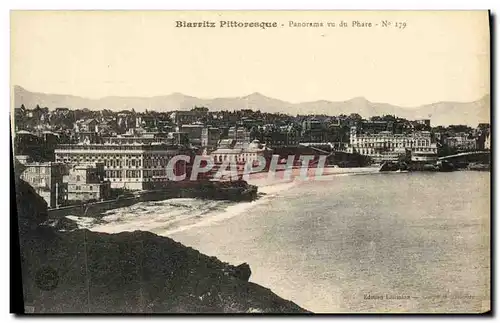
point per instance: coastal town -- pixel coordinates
(78, 156)
(250, 161)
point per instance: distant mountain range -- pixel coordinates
(440, 113)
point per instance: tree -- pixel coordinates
(459, 128)
(388, 117)
(355, 116)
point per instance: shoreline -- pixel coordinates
(198, 212)
(107, 221)
(174, 278)
(268, 187)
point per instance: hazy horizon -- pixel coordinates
(441, 56)
(239, 96)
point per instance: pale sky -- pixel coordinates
(439, 56)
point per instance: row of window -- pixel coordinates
(82, 196)
(233, 158)
(133, 173)
(136, 173)
(38, 170)
(419, 143)
(115, 156)
(120, 163)
(389, 138)
(278, 142)
(80, 188)
(426, 149)
(368, 151)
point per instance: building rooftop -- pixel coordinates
(116, 146)
(227, 151)
(43, 164)
(86, 165)
(194, 125)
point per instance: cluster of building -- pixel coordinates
(60, 183)
(387, 146)
(86, 155)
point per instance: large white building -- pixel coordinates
(386, 146)
(231, 151)
(132, 166)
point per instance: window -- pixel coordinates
(77, 178)
(91, 187)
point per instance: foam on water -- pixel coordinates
(179, 214)
(215, 217)
(175, 215)
(83, 222)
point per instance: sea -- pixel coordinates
(349, 243)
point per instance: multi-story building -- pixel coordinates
(47, 180)
(424, 122)
(240, 135)
(184, 117)
(284, 136)
(482, 134)
(86, 182)
(386, 146)
(313, 130)
(197, 133)
(201, 135)
(26, 143)
(178, 138)
(212, 137)
(87, 137)
(231, 151)
(132, 166)
(462, 142)
(146, 121)
(86, 125)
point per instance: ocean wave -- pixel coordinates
(179, 214)
(174, 215)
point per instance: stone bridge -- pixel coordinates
(482, 156)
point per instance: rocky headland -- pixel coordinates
(80, 271)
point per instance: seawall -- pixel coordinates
(96, 209)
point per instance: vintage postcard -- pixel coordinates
(252, 161)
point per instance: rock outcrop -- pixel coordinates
(81, 271)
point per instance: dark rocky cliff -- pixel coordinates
(139, 272)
